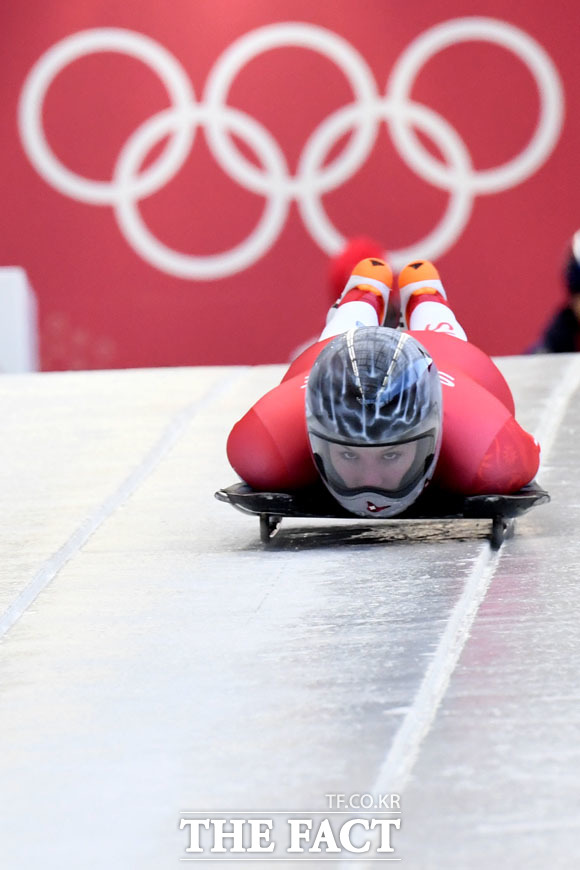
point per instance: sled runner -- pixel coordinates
(272, 507)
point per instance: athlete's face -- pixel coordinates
(373, 467)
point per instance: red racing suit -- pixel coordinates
(484, 449)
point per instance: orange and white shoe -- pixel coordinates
(424, 300)
(418, 281)
(366, 299)
(370, 275)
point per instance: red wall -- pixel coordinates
(108, 300)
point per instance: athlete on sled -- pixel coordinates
(379, 413)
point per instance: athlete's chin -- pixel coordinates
(376, 506)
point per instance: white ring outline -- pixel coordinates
(293, 35)
(526, 49)
(174, 262)
(279, 187)
(43, 73)
(458, 212)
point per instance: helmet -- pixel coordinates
(374, 419)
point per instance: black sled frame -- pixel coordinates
(272, 507)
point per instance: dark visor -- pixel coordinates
(421, 461)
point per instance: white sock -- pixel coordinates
(436, 317)
(348, 316)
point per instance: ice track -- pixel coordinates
(155, 658)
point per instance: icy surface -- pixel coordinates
(156, 659)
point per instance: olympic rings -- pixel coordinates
(215, 265)
(452, 146)
(272, 179)
(303, 36)
(530, 53)
(45, 71)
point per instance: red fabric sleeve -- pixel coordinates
(303, 363)
(484, 449)
(452, 355)
(269, 446)
(510, 462)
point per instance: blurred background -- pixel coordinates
(177, 178)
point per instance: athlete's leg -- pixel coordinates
(364, 299)
(429, 317)
(424, 301)
(484, 449)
